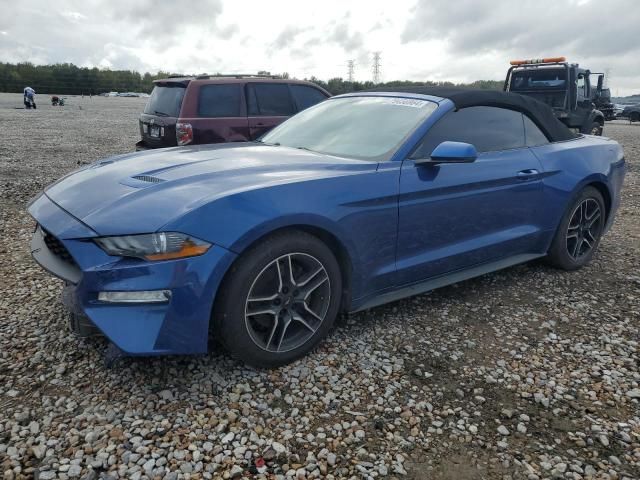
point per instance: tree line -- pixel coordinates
(69, 79)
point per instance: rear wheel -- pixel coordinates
(634, 117)
(580, 231)
(279, 300)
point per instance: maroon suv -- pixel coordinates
(196, 110)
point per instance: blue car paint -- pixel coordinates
(398, 224)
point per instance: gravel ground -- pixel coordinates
(528, 373)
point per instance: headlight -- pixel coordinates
(154, 246)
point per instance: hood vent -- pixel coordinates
(148, 178)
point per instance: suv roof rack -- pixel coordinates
(235, 75)
(177, 75)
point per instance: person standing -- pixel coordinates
(29, 98)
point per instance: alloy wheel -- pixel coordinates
(584, 228)
(287, 302)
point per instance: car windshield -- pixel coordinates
(165, 100)
(538, 79)
(368, 128)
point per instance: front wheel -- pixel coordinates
(580, 231)
(596, 129)
(279, 300)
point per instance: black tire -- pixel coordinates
(595, 129)
(560, 254)
(236, 331)
(634, 117)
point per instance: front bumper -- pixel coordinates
(178, 326)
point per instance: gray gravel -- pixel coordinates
(528, 373)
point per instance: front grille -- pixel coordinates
(148, 178)
(56, 247)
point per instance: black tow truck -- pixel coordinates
(564, 86)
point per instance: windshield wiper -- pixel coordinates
(161, 114)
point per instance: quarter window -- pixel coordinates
(220, 100)
(487, 128)
(270, 99)
(306, 97)
(534, 136)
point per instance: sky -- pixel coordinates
(455, 40)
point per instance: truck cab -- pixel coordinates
(565, 87)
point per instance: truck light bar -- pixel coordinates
(538, 60)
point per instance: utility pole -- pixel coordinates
(376, 67)
(350, 65)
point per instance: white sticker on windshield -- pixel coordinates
(409, 102)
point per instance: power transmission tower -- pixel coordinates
(350, 65)
(376, 67)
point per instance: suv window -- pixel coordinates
(488, 128)
(220, 100)
(534, 136)
(165, 100)
(270, 99)
(305, 96)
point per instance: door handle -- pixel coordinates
(527, 174)
(260, 124)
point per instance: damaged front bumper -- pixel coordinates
(64, 246)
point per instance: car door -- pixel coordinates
(268, 105)
(457, 215)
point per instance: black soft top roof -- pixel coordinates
(540, 113)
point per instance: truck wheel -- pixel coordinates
(634, 117)
(596, 129)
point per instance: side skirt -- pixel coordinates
(444, 280)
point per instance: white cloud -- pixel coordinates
(419, 39)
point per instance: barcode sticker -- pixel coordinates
(409, 102)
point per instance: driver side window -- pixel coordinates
(581, 87)
(488, 128)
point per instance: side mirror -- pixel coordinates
(451, 152)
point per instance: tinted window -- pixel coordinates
(533, 134)
(306, 97)
(488, 128)
(219, 100)
(271, 99)
(165, 101)
(539, 78)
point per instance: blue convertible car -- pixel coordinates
(360, 200)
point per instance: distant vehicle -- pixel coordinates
(128, 94)
(602, 101)
(565, 87)
(618, 109)
(217, 109)
(112, 94)
(360, 200)
(632, 112)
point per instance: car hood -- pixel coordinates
(141, 192)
